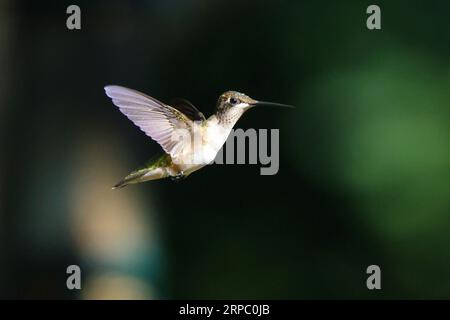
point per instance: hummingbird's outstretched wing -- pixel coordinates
(156, 119)
(188, 109)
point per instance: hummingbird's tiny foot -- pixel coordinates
(180, 176)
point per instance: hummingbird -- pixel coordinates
(174, 126)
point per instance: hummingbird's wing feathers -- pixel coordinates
(188, 109)
(158, 120)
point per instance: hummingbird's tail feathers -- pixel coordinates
(142, 176)
(156, 169)
(133, 177)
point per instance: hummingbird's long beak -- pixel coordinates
(273, 104)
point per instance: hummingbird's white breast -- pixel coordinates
(208, 138)
(215, 135)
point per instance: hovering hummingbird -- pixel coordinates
(174, 126)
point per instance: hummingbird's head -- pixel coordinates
(234, 100)
(232, 104)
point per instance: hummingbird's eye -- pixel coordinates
(233, 101)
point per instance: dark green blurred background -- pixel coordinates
(364, 159)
